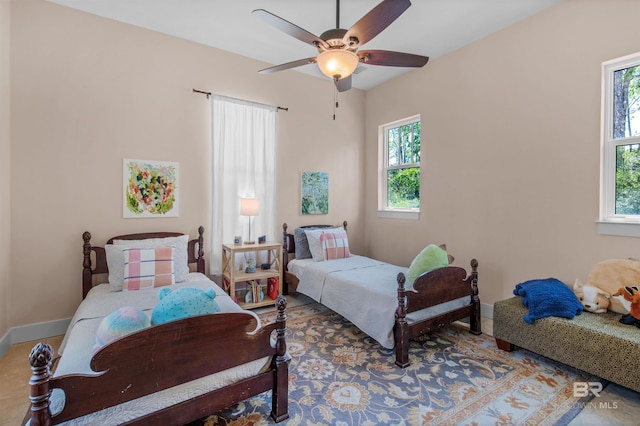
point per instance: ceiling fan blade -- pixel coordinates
(288, 65)
(289, 28)
(392, 59)
(378, 18)
(343, 84)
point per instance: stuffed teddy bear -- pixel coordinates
(632, 295)
(610, 275)
(119, 323)
(182, 303)
(592, 298)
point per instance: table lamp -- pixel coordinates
(249, 207)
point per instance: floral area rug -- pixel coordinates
(340, 376)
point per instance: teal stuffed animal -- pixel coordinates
(182, 303)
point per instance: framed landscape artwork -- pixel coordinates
(315, 193)
(150, 189)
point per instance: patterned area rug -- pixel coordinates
(340, 376)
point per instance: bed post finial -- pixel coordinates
(401, 312)
(281, 320)
(285, 245)
(475, 322)
(474, 276)
(344, 225)
(86, 249)
(201, 247)
(40, 360)
(400, 328)
(280, 391)
(87, 274)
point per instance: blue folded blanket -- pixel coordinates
(548, 297)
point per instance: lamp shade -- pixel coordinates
(337, 63)
(249, 206)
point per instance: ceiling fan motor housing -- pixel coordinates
(335, 38)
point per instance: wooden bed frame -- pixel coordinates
(431, 289)
(183, 351)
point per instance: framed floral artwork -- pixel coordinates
(150, 189)
(315, 193)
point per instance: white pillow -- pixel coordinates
(115, 262)
(315, 246)
(115, 257)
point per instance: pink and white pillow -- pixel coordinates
(328, 244)
(148, 267)
(335, 245)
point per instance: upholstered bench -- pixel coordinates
(596, 343)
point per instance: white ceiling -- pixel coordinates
(429, 27)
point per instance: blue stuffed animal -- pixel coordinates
(182, 303)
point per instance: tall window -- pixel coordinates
(399, 187)
(243, 162)
(620, 193)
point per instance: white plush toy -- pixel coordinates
(592, 298)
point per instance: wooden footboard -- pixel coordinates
(434, 288)
(164, 356)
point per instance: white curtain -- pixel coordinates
(243, 166)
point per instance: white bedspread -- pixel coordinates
(363, 290)
(76, 351)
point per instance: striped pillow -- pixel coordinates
(335, 245)
(148, 267)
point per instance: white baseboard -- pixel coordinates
(25, 333)
(486, 310)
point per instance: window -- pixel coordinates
(399, 186)
(620, 186)
(243, 164)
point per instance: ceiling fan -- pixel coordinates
(338, 55)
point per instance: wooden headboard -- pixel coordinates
(195, 254)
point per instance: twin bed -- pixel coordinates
(172, 373)
(364, 290)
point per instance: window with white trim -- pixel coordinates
(620, 156)
(399, 168)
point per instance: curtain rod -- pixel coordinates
(209, 95)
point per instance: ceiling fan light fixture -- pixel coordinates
(337, 63)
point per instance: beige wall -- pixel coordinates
(5, 165)
(88, 92)
(511, 132)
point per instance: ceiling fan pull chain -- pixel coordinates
(335, 101)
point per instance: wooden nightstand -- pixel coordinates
(237, 282)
